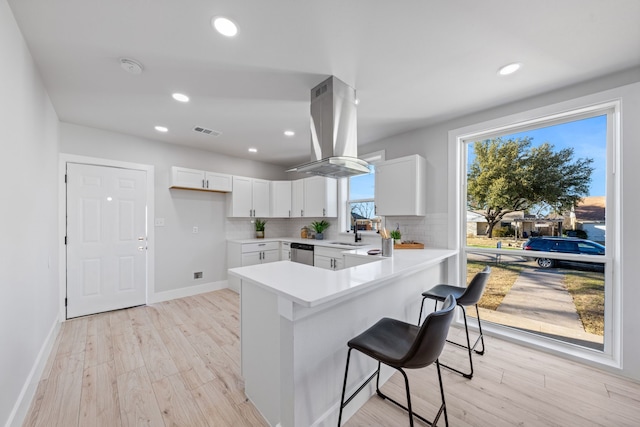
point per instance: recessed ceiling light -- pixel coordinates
(224, 26)
(289, 133)
(509, 69)
(162, 129)
(253, 150)
(180, 97)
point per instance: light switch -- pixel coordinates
(159, 222)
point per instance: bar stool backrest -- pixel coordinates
(474, 291)
(431, 337)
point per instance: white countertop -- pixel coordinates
(335, 243)
(311, 286)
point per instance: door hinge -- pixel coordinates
(65, 178)
(65, 240)
(65, 302)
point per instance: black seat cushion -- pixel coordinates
(440, 292)
(388, 341)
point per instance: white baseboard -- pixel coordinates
(20, 409)
(187, 292)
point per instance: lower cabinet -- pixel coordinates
(327, 258)
(244, 254)
(285, 251)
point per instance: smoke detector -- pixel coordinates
(131, 66)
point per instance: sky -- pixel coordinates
(588, 137)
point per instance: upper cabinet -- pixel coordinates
(314, 197)
(320, 197)
(400, 187)
(193, 179)
(250, 198)
(280, 199)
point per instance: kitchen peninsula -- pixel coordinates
(296, 320)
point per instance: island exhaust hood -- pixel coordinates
(334, 135)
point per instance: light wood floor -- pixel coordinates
(177, 364)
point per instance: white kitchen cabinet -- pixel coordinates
(280, 199)
(297, 198)
(400, 186)
(328, 258)
(314, 197)
(320, 197)
(285, 251)
(244, 254)
(249, 198)
(194, 179)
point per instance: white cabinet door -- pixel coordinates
(241, 198)
(285, 251)
(270, 256)
(320, 197)
(280, 199)
(260, 197)
(218, 182)
(400, 186)
(297, 198)
(187, 178)
(251, 258)
(323, 262)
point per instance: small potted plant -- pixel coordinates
(259, 224)
(319, 227)
(396, 236)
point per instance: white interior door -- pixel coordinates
(106, 238)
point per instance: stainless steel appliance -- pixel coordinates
(302, 253)
(334, 136)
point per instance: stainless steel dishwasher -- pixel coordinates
(302, 253)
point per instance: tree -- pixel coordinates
(511, 175)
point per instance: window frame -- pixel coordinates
(576, 109)
(343, 194)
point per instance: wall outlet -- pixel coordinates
(197, 275)
(195, 229)
(159, 222)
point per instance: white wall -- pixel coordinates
(28, 221)
(432, 142)
(178, 251)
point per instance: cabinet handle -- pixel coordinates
(289, 213)
(324, 212)
(301, 212)
(203, 183)
(207, 183)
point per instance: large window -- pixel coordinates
(537, 204)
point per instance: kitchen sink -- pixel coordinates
(348, 244)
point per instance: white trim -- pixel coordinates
(62, 214)
(187, 292)
(21, 407)
(609, 100)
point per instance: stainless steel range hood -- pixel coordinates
(334, 134)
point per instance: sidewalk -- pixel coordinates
(539, 303)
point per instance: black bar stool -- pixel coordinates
(403, 345)
(464, 297)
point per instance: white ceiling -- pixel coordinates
(412, 62)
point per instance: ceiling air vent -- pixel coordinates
(206, 131)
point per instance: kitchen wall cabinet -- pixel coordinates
(328, 258)
(297, 198)
(280, 199)
(250, 198)
(320, 197)
(314, 197)
(194, 179)
(400, 185)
